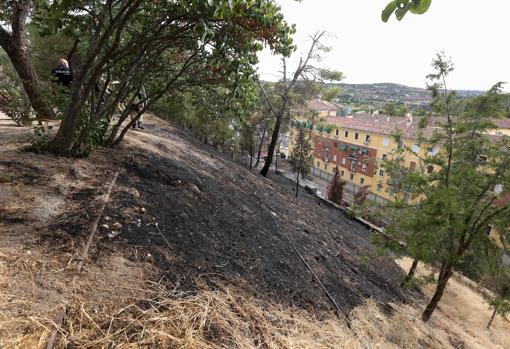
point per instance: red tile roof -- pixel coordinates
(502, 123)
(387, 125)
(317, 104)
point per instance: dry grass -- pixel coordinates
(228, 318)
(207, 319)
(112, 306)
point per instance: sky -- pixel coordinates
(367, 50)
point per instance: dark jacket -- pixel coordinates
(62, 75)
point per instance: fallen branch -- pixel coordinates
(93, 228)
(339, 312)
(94, 225)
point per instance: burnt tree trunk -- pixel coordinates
(410, 274)
(297, 184)
(493, 316)
(260, 147)
(272, 146)
(251, 153)
(446, 273)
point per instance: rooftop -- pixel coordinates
(317, 104)
(388, 125)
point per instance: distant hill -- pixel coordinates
(382, 93)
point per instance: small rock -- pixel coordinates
(117, 226)
(107, 218)
(143, 210)
(104, 227)
(113, 234)
(194, 189)
(133, 192)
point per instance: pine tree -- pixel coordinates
(336, 188)
(301, 157)
(451, 208)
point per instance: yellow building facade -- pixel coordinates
(359, 144)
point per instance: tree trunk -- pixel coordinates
(447, 272)
(260, 147)
(251, 154)
(493, 316)
(64, 140)
(22, 63)
(272, 146)
(410, 274)
(297, 184)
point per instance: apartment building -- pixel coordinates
(358, 144)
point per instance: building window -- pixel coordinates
(379, 187)
(416, 148)
(412, 165)
(432, 151)
(400, 144)
(362, 180)
(356, 135)
(326, 156)
(386, 141)
(334, 157)
(318, 164)
(383, 157)
(381, 172)
(335, 144)
(343, 161)
(430, 169)
(392, 192)
(342, 173)
(346, 134)
(336, 132)
(352, 177)
(353, 166)
(327, 143)
(363, 167)
(325, 166)
(367, 138)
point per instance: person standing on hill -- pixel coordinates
(134, 110)
(62, 74)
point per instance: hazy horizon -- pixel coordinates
(369, 51)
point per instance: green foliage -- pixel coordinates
(301, 154)
(331, 93)
(420, 281)
(450, 210)
(401, 7)
(395, 109)
(41, 138)
(145, 46)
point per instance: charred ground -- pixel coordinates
(220, 223)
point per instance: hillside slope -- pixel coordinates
(206, 257)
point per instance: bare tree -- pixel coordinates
(305, 70)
